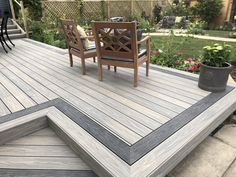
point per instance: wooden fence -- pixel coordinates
(98, 9)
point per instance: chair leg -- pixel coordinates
(147, 67)
(83, 66)
(6, 43)
(9, 38)
(108, 67)
(94, 59)
(135, 77)
(115, 68)
(6, 33)
(71, 60)
(99, 71)
(3, 45)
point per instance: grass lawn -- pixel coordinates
(190, 47)
(216, 33)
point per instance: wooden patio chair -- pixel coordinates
(117, 45)
(75, 43)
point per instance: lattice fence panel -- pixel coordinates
(92, 10)
(120, 9)
(57, 9)
(140, 6)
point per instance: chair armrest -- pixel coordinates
(147, 38)
(88, 37)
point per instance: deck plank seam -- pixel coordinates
(76, 95)
(20, 90)
(54, 56)
(24, 83)
(160, 105)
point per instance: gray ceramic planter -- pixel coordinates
(214, 79)
(233, 73)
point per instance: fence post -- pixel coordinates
(12, 10)
(42, 7)
(151, 4)
(24, 18)
(108, 9)
(132, 7)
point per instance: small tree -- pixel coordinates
(157, 13)
(102, 8)
(208, 10)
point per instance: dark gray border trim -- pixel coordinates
(174, 73)
(130, 154)
(146, 144)
(46, 173)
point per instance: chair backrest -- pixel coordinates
(72, 35)
(116, 40)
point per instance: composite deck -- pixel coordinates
(117, 130)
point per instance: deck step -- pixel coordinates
(17, 36)
(12, 26)
(9, 22)
(13, 30)
(41, 153)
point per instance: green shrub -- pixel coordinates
(145, 26)
(216, 55)
(170, 55)
(157, 13)
(102, 9)
(197, 28)
(47, 32)
(179, 9)
(208, 10)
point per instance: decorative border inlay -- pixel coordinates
(129, 154)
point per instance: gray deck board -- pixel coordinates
(157, 100)
(25, 87)
(75, 78)
(46, 151)
(9, 100)
(126, 133)
(24, 99)
(41, 157)
(142, 119)
(46, 173)
(3, 109)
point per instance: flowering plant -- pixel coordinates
(171, 55)
(216, 55)
(176, 61)
(191, 65)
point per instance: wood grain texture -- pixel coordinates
(25, 87)
(168, 154)
(46, 173)
(25, 153)
(42, 163)
(129, 114)
(9, 100)
(111, 165)
(25, 125)
(24, 99)
(3, 109)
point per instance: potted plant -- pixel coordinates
(233, 73)
(215, 69)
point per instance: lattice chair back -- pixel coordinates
(116, 41)
(72, 35)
